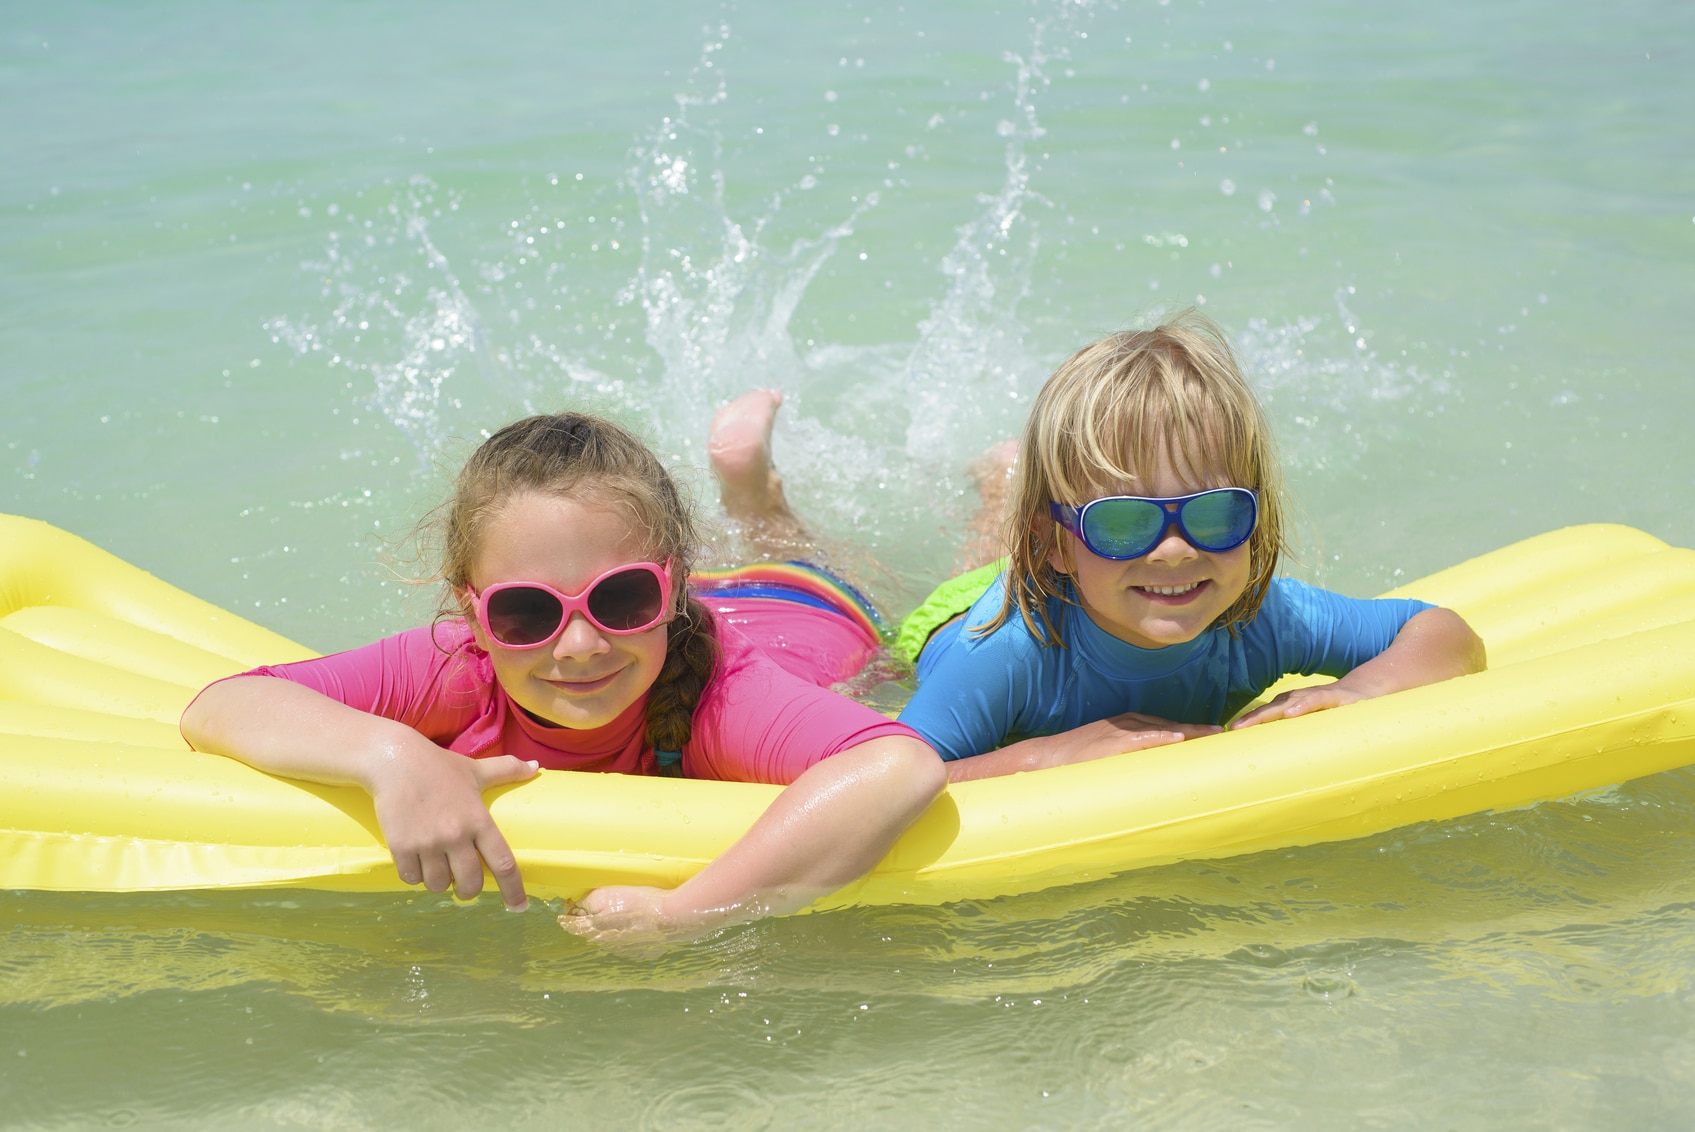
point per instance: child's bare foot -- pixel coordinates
(739, 448)
(991, 474)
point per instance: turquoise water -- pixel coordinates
(267, 269)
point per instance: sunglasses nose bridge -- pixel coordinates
(1173, 544)
(579, 636)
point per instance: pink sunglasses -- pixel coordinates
(528, 615)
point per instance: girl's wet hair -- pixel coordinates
(1101, 423)
(590, 459)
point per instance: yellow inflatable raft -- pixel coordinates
(1591, 636)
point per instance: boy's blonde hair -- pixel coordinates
(1105, 417)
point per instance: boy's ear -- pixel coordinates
(1059, 558)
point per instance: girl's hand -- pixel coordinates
(1300, 701)
(629, 918)
(429, 802)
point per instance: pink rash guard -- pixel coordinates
(766, 715)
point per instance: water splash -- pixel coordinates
(409, 327)
(1332, 396)
(717, 301)
(874, 437)
(972, 343)
(719, 304)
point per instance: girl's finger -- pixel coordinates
(498, 856)
(408, 866)
(438, 875)
(501, 770)
(467, 869)
(579, 925)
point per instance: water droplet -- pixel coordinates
(1329, 986)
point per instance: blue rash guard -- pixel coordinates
(977, 694)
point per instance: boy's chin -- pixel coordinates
(1155, 633)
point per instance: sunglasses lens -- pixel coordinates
(629, 599)
(1219, 520)
(1123, 528)
(523, 615)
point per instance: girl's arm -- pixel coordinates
(428, 799)
(1434, 645)
(828, 827)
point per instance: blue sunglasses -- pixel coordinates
(1128, 526)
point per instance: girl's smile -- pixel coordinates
(582, 687)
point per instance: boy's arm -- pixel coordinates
(1434, 645)
(428, 799)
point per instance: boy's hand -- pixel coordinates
(1434, 644)
(1300, 701)
(1131, 731)
(1119, 735)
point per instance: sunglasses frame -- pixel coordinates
(575, 603)
(1075, 520)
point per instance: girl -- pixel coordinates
(1139, 605)
(569, 638)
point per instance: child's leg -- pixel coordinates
(991, 474)
(739, 448)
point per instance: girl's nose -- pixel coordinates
(580, 639)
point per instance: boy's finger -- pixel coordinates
(1142, 740)
(1258, 715)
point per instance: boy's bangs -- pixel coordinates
(1212, 447)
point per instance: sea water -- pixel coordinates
(270, 269)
